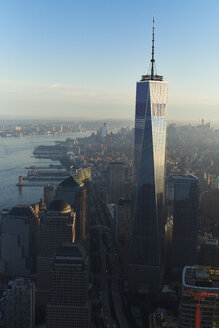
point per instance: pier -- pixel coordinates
(50, 167)
(34, 184)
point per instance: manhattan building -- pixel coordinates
(19, 240)
(200, 297)
(149, 183)
(57, 227)
(117, 178)
(209, 252)
(69, 306)
(75, 193)
(185, 221)
(20, 297)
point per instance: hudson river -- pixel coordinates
(15, 155)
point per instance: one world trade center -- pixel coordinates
(146, 251)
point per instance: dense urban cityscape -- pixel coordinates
(87, 211)
(114, 223)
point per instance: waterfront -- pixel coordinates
(15, 155)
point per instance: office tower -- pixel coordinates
(123, 219)
(19, 241)
(75, 193)
(49, 194)
(200, 297)
(104, 131)
(20, 297)
(209, 252)
(185, 221)
(69, 306)
(117, 178)
(149, 182)
(57, 226)
(209, 205)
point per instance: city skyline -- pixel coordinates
(66, 63)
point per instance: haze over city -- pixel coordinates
(82, 59)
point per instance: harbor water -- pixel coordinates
(15, 155)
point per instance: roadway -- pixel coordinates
(109, 308)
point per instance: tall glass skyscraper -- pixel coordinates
(149, 161)
(185, 221)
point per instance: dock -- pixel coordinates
(34, 184)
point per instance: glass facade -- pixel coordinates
(149, 161)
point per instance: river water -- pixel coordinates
(15, 155)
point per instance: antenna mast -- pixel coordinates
(152, 59)
(152, 75)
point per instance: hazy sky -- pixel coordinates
(71, 58)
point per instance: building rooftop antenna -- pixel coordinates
(152, 59)
(152, 75)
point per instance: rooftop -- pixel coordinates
(20, 282)
(201, 277)
(71, 182)
(21, 210)
(59, 206)
(150, 78)
(74, 250)
(71, 254)
(123, 201)
(184, 177)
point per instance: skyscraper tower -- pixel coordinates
(185, 221)
(149, 161)
(57, 226)
(69, 304)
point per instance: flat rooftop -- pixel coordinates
(188, 177)
(152, 78)
(201, 277)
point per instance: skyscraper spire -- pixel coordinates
(152, 75)
(152, 59)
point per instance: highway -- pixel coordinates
(108, 311)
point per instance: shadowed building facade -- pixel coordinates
(146, 253)
(20, 296)
(185, 221)
(69, 306)
(57, 226)
(19, 242)
(117, 178)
